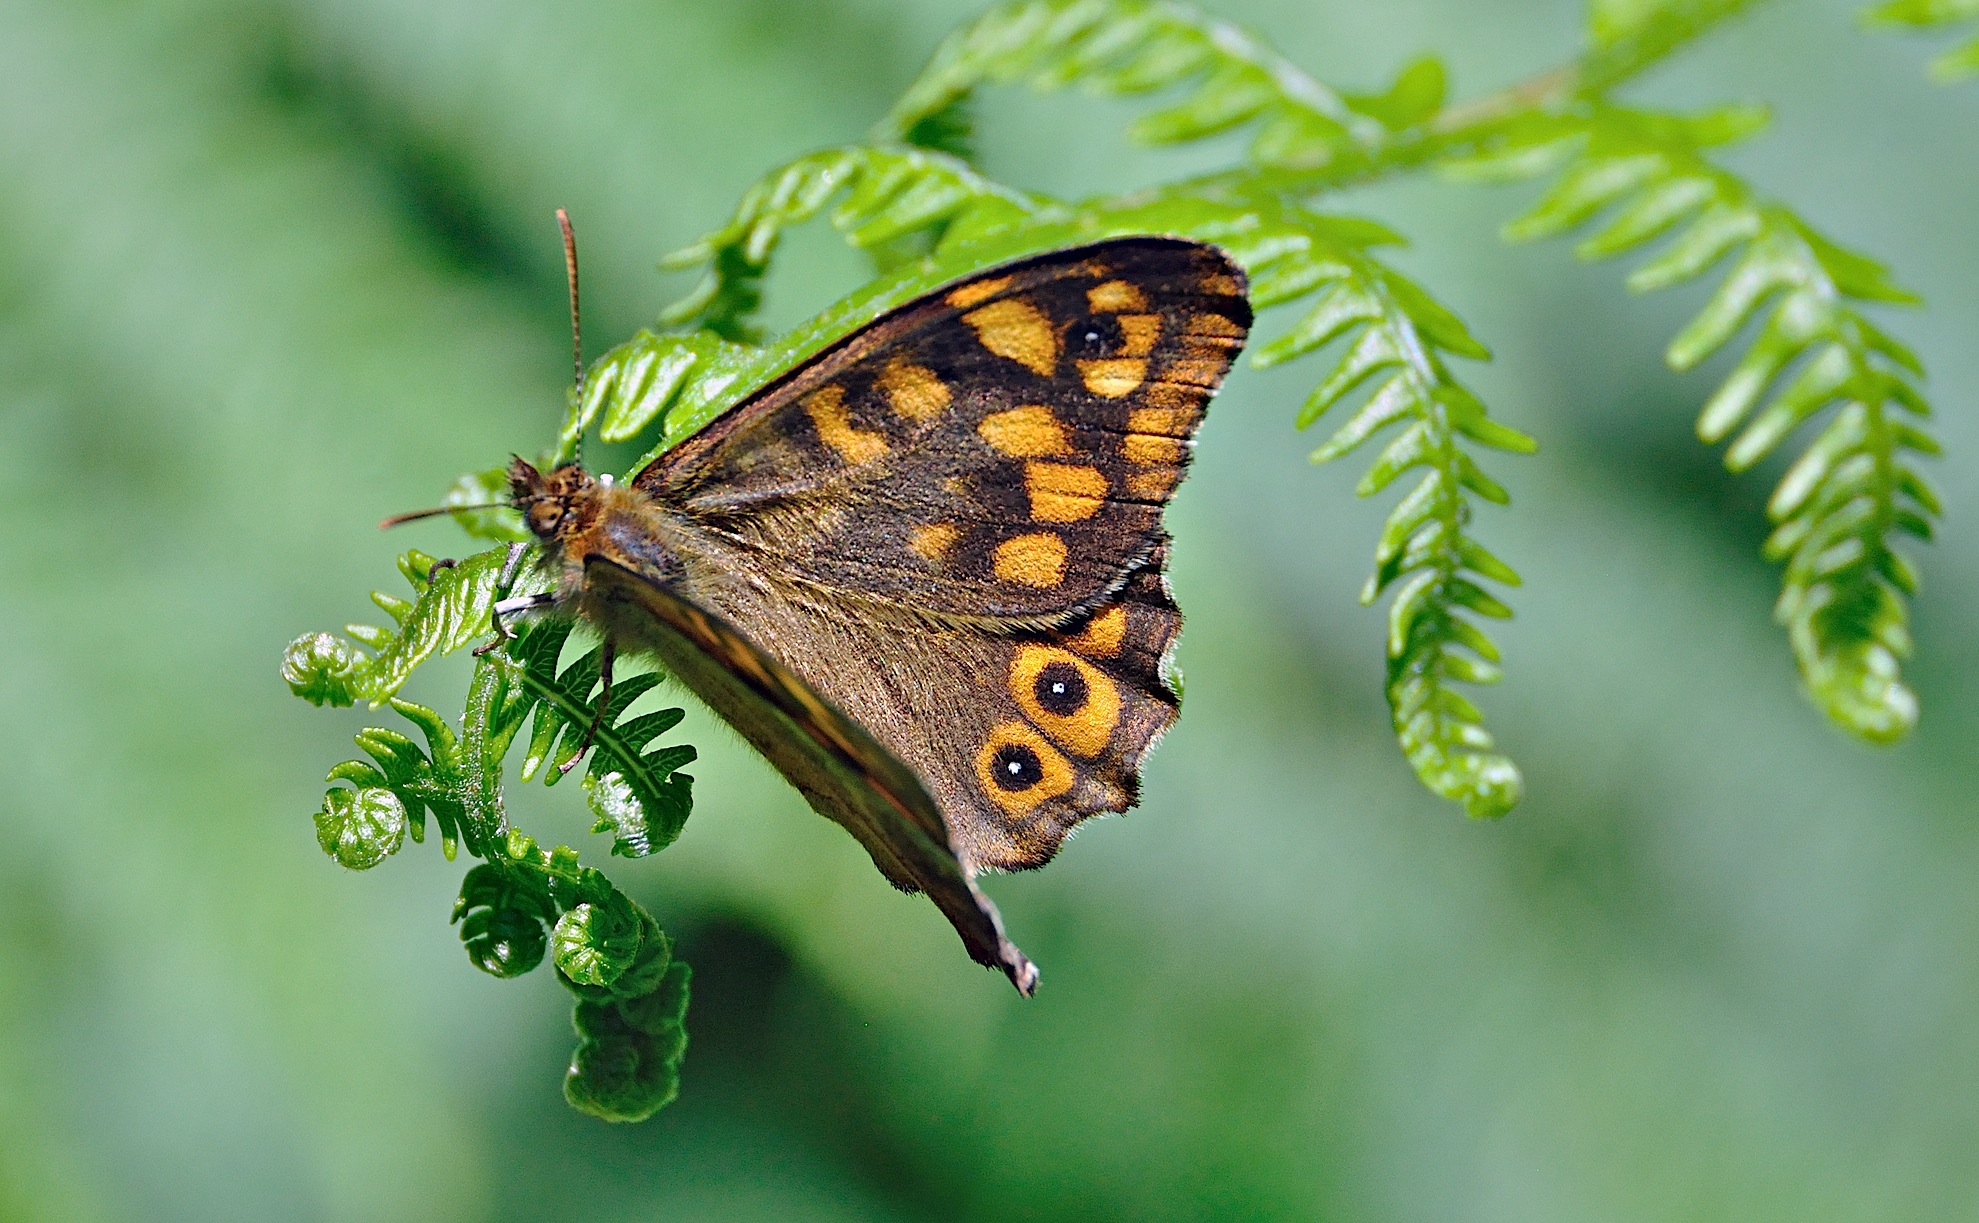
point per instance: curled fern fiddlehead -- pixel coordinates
(521, 901)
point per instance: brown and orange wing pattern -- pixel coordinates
(1001, 450)
(1063, 737)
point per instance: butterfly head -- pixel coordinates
(557, 504)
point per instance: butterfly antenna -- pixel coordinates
(435, 512)
(576, 335)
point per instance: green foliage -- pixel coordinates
(1127, 47)
(638, 796)
(1395, 333)
(1855, 486)
(1954, 65)
(909, 197)
(450, 611)
(521, 901)
(890, 192)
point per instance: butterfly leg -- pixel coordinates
(605, 654)
(506, 606)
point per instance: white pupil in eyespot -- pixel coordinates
(1014, 767)
(1092, 337)
(1058, 689)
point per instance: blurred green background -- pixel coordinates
(269, 271)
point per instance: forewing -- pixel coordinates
(835, 763)
(1001, 450)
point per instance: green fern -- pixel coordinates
(1303, 128)
(1855, 486)
(1290, 252)
(889, 193)
(1396, 333)
(451, 611)
(909, 197)
(521, 900)
(1955, 65)
(1138, 46)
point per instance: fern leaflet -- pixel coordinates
(1954, 65)
(1855, 486)
(521, 901)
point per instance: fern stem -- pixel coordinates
(1675, 26)
(605, 739)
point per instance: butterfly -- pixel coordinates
(922, 572)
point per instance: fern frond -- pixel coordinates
(889, 193)
(522, 901)
(631, 993)
(640, 797)
(653, 377)
(1395, 336)
(1139, 46)
(450, 610)
(1626, 36)
(1954, 65)
(1855, 486)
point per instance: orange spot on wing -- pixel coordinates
(1062, 492)
(1024, 433)
(933, 543)
(1005, 745)
(1113, 377)
(914, 390)
(1138, 334)
(1205, 372)
(982, 290)
(1016, 329)
(1036, 560)
(826, 408)
(1169, 422)
(1083, 731)
(1148, 449)
(1208, 323)
(1153, 484)
(1102, 635)
(1115, 296)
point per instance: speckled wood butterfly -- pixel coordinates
(922, 572)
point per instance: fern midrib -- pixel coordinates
(606, 739)
(1420, 369)
(1591, 75)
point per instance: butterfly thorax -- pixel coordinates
(576, 515)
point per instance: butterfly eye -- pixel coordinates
(544, 517)
(1060, 689)
(1016, 767)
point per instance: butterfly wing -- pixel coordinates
(1001, 450)
(834, 762)
(1021, 737)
